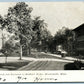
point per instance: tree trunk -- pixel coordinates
(2, 39)
(29, 50)
(6, 59)
(20, 52)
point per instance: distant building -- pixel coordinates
(79, 39)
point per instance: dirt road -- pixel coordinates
(41, 62)
(45, 65)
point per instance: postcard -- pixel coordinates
(42, 41)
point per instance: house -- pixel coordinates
(79, 39)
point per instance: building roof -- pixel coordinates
(79, 27)
(79, 30)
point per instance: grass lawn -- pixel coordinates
(13, 65)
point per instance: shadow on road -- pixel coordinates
(70, 66)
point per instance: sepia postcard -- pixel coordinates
(42, 41)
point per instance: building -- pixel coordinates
(79, 40)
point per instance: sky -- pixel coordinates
(55, 14)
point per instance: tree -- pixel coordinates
(9, 46)
(69, 35)
(64, 37)
(2, 27)
(42, 37)
(19, 22)
(1, 22)
(46, 38)
(59, 39)
(38, 28)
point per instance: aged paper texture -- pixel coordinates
(42, 41)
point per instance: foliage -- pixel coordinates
(41, 34)
(19, 22)
(10, 46)
(31, 32)
(2, 22)
(63, 37)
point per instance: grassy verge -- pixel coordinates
(13, 65)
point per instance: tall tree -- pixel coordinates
(46, 38)
(38, 28)
(64, 37)
(19, 22)
(2, 26)
(69, 35)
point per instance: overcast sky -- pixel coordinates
(55, 14)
